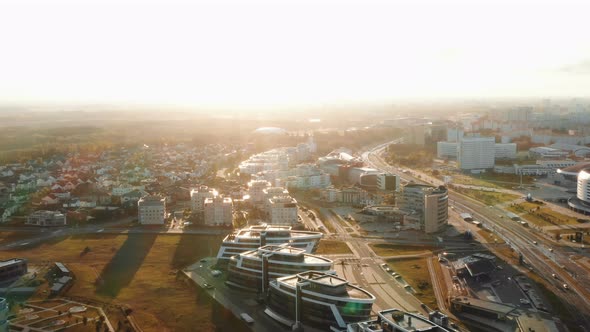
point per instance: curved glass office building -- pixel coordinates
(252, 270)
(253, 237)
(317, 299)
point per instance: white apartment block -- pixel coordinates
(198, 196)
(283, 210)
(151, 210)
(505, 151)
(271, 192)
(256, 190)
(429, 203)
(447, 150)
(477, 153)
(46, 218)
(218, 211)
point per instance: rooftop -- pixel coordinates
(408, 321)
(281, 249)
(496, 307)
(152, 200)
(11, 261)
(330, 284)
(575, 169)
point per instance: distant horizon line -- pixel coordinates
(4, 106)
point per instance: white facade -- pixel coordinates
(454, 134)
(445, 150)
(218, 211)
(151, 210)
(273, 192)
(436, 210)
(355, 173)
(505, 151)
(583, 189)
(256, 190)
(476, 153)
(429, 203)
(283, 210)
(198, 197)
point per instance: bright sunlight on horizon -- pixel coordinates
(261, 54)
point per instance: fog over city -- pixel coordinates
(343, 166)
(264, 54)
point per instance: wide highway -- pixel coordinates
(551, 262)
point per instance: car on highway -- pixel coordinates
(208, 286)
(554, 275)
(565, 286)
(535, 242)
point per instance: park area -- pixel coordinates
(139, 272)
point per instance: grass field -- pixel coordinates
(490, 180)
(541, 216)
(415, 272)
(487, 197)
(387, 249)
(139, 271)
(327, 247)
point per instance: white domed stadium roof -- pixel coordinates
(270, 130)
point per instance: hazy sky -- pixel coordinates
(226, 53)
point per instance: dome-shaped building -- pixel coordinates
(270, 131)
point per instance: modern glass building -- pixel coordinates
(317, 299)
(395, 320)
(253, 237)
(252, 270)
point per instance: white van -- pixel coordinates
(246, 318)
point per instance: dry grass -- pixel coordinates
(139, 272)
(541, 216)
(490, 237)
(487, 197)
(331, 247)
(7, 237)
(387, 249)
(415, 273)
